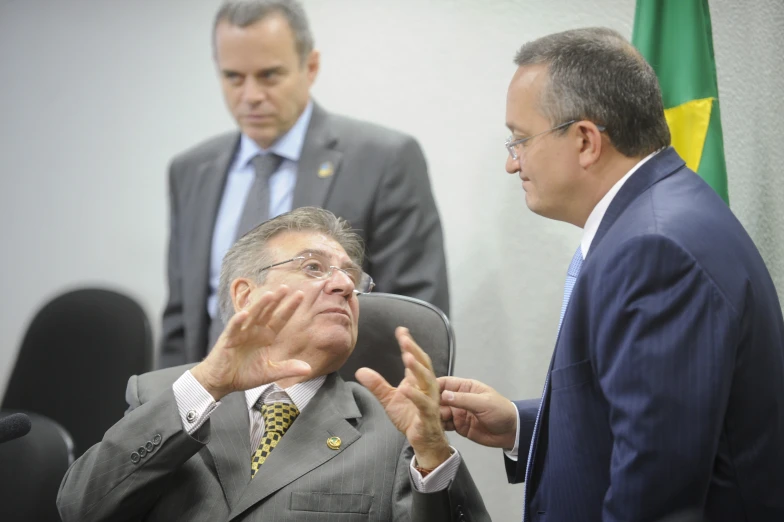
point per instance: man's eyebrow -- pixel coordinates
(279, 69)
(322, 253)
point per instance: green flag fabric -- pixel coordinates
(675, 37)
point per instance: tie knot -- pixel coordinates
(278, 416)
(266, 164)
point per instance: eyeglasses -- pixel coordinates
(513, 146)
(317, 267)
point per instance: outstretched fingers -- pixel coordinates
(378, 386)
(422, 400)
(409, 345)
(274, 309)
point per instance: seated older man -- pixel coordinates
(264, 428)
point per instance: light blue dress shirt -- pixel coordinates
(238, 182)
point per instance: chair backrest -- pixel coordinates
(377, 348)
(76, 358)
(31, 469)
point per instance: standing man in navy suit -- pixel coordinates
(666, 387)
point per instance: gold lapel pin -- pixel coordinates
(333, 443)
(326, 169)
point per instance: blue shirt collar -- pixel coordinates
(288, 146)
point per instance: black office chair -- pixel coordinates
(31, 469)
(75, 361)
(377, 348)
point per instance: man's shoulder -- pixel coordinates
(207, 149)
(364, 131)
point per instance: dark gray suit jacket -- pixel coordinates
(207, 476)
(380, 185)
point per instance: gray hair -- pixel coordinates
(249, 254)
(595, 74)
(242, 13)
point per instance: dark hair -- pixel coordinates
(596, 74)
(243, 13)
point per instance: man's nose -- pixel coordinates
(512, 165)
(253, 92)
(338, 282)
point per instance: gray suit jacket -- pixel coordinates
(380, 185)
(206, 477)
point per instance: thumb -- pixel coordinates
(277, 370)
(471, 402)
(374, 382)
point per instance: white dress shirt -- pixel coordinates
(589, 232)
(195, 405)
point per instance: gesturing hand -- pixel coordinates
(478, 412)
(241, 358)
(413, 405)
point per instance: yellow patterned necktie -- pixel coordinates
(278, 416)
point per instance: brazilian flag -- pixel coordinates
(675, 37)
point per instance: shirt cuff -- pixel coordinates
(440, 478)
(194, 402)
(512, 453)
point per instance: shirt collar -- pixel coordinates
(288, 146)
(300, 393)
(595, 218)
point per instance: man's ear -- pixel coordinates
(590, 143)
(241, 289)
(313, 64)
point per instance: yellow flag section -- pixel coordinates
(688, 124)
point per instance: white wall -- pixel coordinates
(96, 97)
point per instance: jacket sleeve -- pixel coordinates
(121, 477)
(405, 251)
(460, 502)
(526, 416)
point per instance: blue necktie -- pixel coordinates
(571, 278)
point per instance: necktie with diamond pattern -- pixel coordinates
(278, 417)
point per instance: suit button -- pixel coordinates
(135, 458)
(156, 440)
(149, 446)
(142, 452)
(190, 416)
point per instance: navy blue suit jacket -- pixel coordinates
(666, 389)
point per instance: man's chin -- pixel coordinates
(263, 136)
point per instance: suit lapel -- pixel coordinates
(210, 180)
(662, 165)
(229, 445)
(304, 447)
(319, 155)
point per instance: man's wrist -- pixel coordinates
(199, 374)
(429, 459)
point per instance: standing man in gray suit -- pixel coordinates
(289, 152)
(217, 442)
